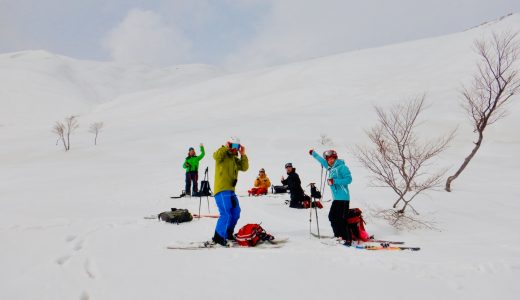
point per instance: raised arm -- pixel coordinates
(243, 163)
(220, 153)
(320, 159)
(202, 152)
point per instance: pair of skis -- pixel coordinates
(270, 244)
(381, 244)
(386, 246)
(197, 216)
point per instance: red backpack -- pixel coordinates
(356, 225)
(249, 235)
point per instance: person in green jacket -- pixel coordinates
(227, 165)
(191, 165)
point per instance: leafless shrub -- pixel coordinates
(325, 140)
(494, 84)
(400, 161)
(64, 130)
(59, 129)
(95, 128)
(405, 221)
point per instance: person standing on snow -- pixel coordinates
(227, 165)
(339, 179)
(191, 165)
(295, 186)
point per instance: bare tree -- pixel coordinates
(325, 140)
(59, 129)
(95, 128)
(398, 159)
(64, 130)
(494, 84)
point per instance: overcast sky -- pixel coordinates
(232, 33)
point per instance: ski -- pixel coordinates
(369, 241)
(206, 216)
(277, 243)
(384, 242)
(386, 247)
(177, 197)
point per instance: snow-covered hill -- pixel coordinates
(39, 86)
(72, 224)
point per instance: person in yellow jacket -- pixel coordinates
(262, 184)
(227, 165)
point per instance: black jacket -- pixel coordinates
(294, 184)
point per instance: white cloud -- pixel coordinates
(295, 30)
(144, 37)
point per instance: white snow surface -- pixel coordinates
(72, 223)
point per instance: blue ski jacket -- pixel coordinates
(340, 173)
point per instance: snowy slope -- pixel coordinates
(38, 86)
(72, 224)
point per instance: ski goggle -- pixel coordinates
(329, 153)
(234, 146)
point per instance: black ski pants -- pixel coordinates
(338, 219)
(192, 177)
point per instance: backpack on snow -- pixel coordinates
(279, 189)
(176, 215)
(315, 193)
(356, 225)
(205, 190)
(308, 203)
(249, 235)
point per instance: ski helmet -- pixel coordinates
(287, 165)
(234, 140)
(330, 153)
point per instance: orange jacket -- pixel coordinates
(263, 182)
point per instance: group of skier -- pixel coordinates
(231, 158)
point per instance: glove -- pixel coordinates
(330, 181)
(310, 151)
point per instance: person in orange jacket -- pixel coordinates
(262, 184)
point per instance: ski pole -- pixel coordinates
(206, 178)
(310, 222)
(317, 223)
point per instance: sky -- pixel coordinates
(237, 34)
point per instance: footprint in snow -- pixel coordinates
(89, 269)
(84, 296)
(63, 259)
(70, 238)
(79, 245)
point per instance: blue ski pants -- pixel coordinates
(229, 209)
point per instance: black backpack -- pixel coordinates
(314, 191)
(176, 215)
(279, 189)
(205, 190)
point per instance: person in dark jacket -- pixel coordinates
(294, 184)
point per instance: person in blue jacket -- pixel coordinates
(338, 180)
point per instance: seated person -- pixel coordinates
(294, 184)
(262, 184)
